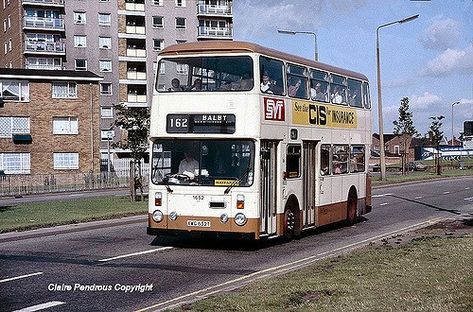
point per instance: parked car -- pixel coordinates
(416, 166)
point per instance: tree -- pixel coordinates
(136, 121)
(436, 136)
(405, 130)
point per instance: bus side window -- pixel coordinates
(296, 81)
(325, 159)
(271, 76)
(357, 158)
(340, 159)
(366, 95)
(338, 90)
(293, 161)
(354, 93)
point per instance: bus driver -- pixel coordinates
(188, 164)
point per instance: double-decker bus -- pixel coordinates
(254, 143)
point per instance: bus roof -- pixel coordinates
(223, 46)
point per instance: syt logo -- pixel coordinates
(274, 109)
(317, 115)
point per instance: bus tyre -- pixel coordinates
(289, 223)
(352, 203)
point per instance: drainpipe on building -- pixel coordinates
(91, 125)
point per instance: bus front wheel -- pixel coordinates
(289, 223)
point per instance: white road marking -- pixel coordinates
(382, 195)
(135, 254)
(444, 193)
(467, 188)
(418, 197)
(383, 204)
(19, 277)
(468, 199)
(41, 306)
(290, 265)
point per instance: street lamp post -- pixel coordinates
(453, 104)
(291, 32)
(380, 104)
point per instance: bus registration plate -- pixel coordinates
(194, 223)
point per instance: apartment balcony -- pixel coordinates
(136, 75)
(44, 66)
(214, 10)
(135, 7)
(133, 52)
(43, 23)
(45, 3)
(139, 30)
(205, 32)
(136, 98)
(45, 47)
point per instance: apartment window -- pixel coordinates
(80, 41)
(65, 125)
(9, 45)
(158, 44)
(181, 41)
(66, 160)
(105, 19)
(14, 125)
(180, 3)
(15, 90)
(104, 0)
(6, 47)
(106, 134)
(180, 22)
(158, 2)
(4, 25)
(79, 18)
(158, 21)
(81, 64)
(9, 21)
(43, 63)
(106, 88)
(105, 65)
(65, 90)
(106, 112)
(15, 163)
(105, 42)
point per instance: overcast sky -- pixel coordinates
(429, 60)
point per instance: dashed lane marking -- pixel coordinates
(382, 195)
(445, 193)
(41, 306)
(418, 197)
(383, 204)
(468, 199)
(135, 254)
(20, 277)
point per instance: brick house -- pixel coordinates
(392, 147)
(49, 122)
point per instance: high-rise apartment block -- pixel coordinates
(118, 40)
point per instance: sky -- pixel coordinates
(429, 60)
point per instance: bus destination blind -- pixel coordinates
(200, 123)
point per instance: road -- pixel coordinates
(38, 271)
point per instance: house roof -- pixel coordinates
(44, 74)
(387, 136)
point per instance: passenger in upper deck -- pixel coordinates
(175, 85)
(246, 82)
(266, 83)
(197, 86)
(294, 85)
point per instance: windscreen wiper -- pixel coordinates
(237, 182)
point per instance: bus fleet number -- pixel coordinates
(178, 122)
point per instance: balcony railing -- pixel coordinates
(45, 46)
(205, 31)
(208, 9)
(44, 2)
(44, 66)
(134, 6)
(135, 75)
(137, 98)
(136, 52)
(135, 30)
(43, 22)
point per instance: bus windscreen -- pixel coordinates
(205, 74)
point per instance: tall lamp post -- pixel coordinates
(291, 32)
(380, 103)
(453, 104)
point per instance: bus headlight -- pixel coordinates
(240, 219)
(173, 216)
(224, 218)
(158, 216)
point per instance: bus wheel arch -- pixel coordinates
(352, 205)
(291, 218)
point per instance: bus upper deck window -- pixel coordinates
(338, 90)
(271, 74)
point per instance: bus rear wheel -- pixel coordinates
(289, 224)
(351, 208)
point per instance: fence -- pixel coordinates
(18, 185)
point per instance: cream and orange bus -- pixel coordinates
(254, 143)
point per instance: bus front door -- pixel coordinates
(309, 182)
(268, 187)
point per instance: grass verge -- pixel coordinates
(421, 175)
(430, 272)
(44, 214)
